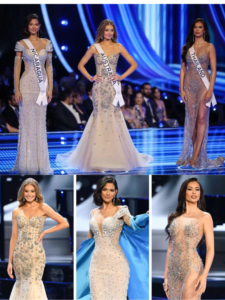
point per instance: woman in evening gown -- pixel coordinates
(195, 96)
(185, 276)
(32, 152)
(105, 144)
(26, 253)
(109, 271)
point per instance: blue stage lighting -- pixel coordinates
(64, 48)
(62, 172)
(62, 143)
(62, 138)
(161, 124)
(136, 88)
(123, 201)
(180, 99)
(62, 192)
(214, 108)
(64, 22)
(164, 96)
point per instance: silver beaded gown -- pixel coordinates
(29, 260)
(184, 264)
(32, 151)
(106, 144)
(194, 89)
(109, 269)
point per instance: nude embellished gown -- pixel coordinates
(106, 144)
(184, 264)
(109, 269)
(194, 89)
(29, 260)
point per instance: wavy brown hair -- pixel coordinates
(180, 210)
(36, 185)
(189, 40)
(27, 20)
(101, 29)
(100, 185)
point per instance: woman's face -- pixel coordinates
(138, 99)
(34, 26)
(193, 192)
(157, 94)
(108, 192)
(129, 90)
(198, 29)
(29, 193)
(108, 32)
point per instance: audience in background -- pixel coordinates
(79, 107)
(140, 111)
(127, 94)
(88, 103)
(65, 116)
(11, 113)
(68, 82)
(129, 115)
(161, 109)
(151, 117)
(6, 82)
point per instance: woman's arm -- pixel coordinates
(183, 70)
(90, 52)
(49, 212)
(17, 70)
(212, 57)
(166, 288)
(164, 111)
(132, 62)
(49, 71)
(209, 239)
(12, 244)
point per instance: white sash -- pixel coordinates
(202, 75)
(42, 97)
(116, 84)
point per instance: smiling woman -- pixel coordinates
(26, 253)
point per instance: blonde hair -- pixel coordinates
(35, 184)
(101, 29)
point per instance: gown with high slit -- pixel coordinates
(32, 151)
(106, 144)
(29, 260)
(184, 264)
(109, 270)
(195, 89)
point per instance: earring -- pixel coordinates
(112, 38)
(184, 205)
(114, 200)
(24, 199)
(199, 204)
(36, 198)
(193, 37)
(38, 33)
(204, 36)
(101, 37)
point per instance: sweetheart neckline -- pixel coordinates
(31, 217)
(34, 48)
(109, 55)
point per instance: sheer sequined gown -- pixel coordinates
(195, 89)
(106, 144)
(109, 269)
(32, 152)
(29, 260)
(184, 264)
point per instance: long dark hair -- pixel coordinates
(27, 20)
(100, 185)
(180, 210)
(189, 39)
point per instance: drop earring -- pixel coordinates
(199, 204)
(184, 206)
(36, 199)
(204, 36)
(101, 38)
(24, 199)
(193, 37)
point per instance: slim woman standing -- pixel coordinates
(185, 276)
(118, 256)
(26, 253)
(194, 77)
(33, 91)
(106, 144)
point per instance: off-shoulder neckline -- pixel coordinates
(34, 48)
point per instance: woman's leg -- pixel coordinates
(189, 291)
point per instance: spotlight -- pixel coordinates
(78, 185)
(214, 108)
(64, 48)
(62, 192)
(180, 99)
(136, 88)
(62, 138)
(62, 143)
(62, 172)
(64, 22)
(161, 124)
(123, 201)
(94, 186)
(9, 179)
(164, 95)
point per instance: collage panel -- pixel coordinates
(188, 237)
(112, 232)
(36, 229)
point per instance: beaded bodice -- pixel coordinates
(29, 249)
(203, 59)
(100, 68)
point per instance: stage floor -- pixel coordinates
(163, 144)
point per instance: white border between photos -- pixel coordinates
(74, 236)
(150, 236)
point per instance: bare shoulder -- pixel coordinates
(45, 41)
(211, 47)
(16, 212)
(93, 49)
(120, 47)
(22, 43)
(45, 207)
(206, 217)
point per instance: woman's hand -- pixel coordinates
(208, 96)
(49, 96)
(183, 97)
(40, 240)
(166, 289)
(201, 284)
(10, 270)
(96, 78)
(115, 77)
(18, 97)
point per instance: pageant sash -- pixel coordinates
(42, 97)
(202, 75)
(116, 84)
